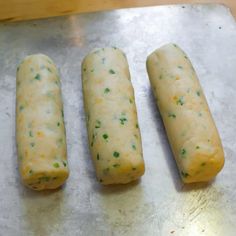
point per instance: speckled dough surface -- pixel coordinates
(160, 204)
(40, 130)
(113, 131)
(188, 122)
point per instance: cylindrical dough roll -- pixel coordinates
(40, 131)
(113, 131)
(188, 122)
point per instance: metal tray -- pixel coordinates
(159, 204)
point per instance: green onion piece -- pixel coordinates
(172, 115)
(37, 77)
(116, 154)
(107, 90)
(56, 165)
(112, 71)
(64, 163)
(184, 174)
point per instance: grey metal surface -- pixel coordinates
(159, 204)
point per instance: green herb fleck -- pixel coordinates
(31, 133)
(116, 165)
(58, 124)
(122, 120)
(183, 151)
(93, 138)
(49, 61)
(137, 126)
(197, 147)
(198, 93)
(49, 69)
(92, 70)
(56, 165)
(37, 77)
(130, 100)
(180, 67)
(199, 114)
(160, 77)
(21, 107)
(114, 48)
(208, 140)
(98, 157)
(185, 57)
(44, 178)
(64, 163)
(133, 168)
(30, 172)
(175, 45)
(84, 69)
(62, 113)
(98, 124)
(203, 164)
(112, 71)
(107, 90)
(32, 144)
(116, 154)
(133, 146)
(18, 67)
(184, 174)
(180, 101)
(172, 115)
(105, 136)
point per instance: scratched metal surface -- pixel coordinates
(159, 204)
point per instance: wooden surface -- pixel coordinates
(14, 10)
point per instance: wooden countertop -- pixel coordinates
(15, 10)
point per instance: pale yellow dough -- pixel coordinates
(190, 128)
(114, 136)
(40, 131)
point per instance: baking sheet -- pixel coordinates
(159, 204)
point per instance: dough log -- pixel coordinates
(113, 131)
(40, 131)
(190, 128)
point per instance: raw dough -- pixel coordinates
(113, 131)
(188, 122)
(40, 131)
